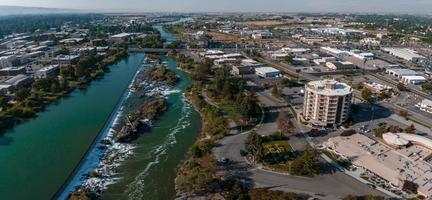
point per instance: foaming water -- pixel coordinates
(159, 153)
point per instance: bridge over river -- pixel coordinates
(150, 50)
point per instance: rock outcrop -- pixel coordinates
(139, 121)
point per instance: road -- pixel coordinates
(327, 186)
(415, 114)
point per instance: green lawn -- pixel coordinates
(231, 111)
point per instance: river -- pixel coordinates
(150, 173)
(37, 157)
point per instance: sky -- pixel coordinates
(370, 6)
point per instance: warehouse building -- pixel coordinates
(416, 80)
(406, 54)
(399, 73)
(337, 65)
(268, 72)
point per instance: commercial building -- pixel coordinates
(268, 72)
(261, 34)
(122, 37)
(339, 31)
(296, 50)
(403, 157)
(416, 80)
(370, 42)
(311, 40)
(399, 73)
(327, 102)
(323, 60)
(299, 61)
(12, 71)
(225, 61)
(242, 70)
(8, 61)
(376, 88)
(211, 53)
(251, 62)
(342, 53)
(279, 56)
(406, 54)
(337, 65)
(86, 51)
(66, 60)
(49, 71)
(17, 81)
(425, 105)
(334, 52)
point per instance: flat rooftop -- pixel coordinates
(392, 164)
(329, 87)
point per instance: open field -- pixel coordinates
(263, 23)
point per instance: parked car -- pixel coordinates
(223, 160)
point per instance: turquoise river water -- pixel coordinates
(38, 156)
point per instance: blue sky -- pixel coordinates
(403, 6)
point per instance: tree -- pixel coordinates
(367, 96)
(276, 91)
(284, 123)
(255, 53)
(254, 147)
(226, 91)
(380, 131)
(288, 59)
(306, 164)
(348, 132)
(410, 129)
(22, 94)
(46, 85)
(410, 187)
(315, 133)
(427, 87)
(402, 113)
(237, 192)
(3, 102)
(221, 76)
(366, 197)
(67, 72)
(401, 87)
(393, 129)
(201, 72)
(248, 105)
(267, 194)
(63, 51)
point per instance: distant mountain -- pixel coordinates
(21, 10)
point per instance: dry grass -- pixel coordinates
(264, 23)
(224, 36)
